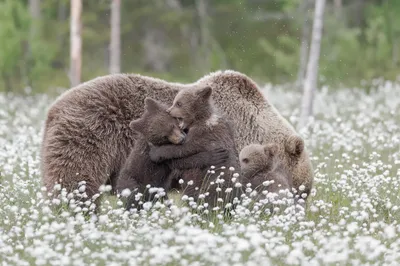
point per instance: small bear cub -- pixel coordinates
(261, 166)
(157, 128)
(207, 129)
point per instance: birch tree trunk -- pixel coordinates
(338, 7)
(202, 6)
(115, 43)
(310, 83)
(305, 36)
(34, 10)
(61, 18)
(76, 42)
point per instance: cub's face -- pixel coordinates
(157, 126)
(163, 129)
(182, 108)
(255, 157)
(190, 104)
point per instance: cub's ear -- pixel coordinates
(271, 149)
(294, 145)
(204, 92)
(137, 125)
(151, 104)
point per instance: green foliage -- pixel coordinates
(286, 56)
(14, 22)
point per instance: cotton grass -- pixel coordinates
(352, 218)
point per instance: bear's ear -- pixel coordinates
(151, 104)
(204, 93)
(271, 149)
(294, 145)
(137, 125)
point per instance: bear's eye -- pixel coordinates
(178, 104)
(245, 160)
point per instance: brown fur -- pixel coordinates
(87, 128)
(207, 130)
(156, 127)
(260, 163)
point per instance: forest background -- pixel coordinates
(182, 40)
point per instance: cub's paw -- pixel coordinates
(155, 155)
(219, 156)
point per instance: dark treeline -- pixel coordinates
(181, 40)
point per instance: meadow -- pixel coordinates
(352, 218)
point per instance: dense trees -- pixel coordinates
(184, 39)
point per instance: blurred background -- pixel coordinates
(181, 40)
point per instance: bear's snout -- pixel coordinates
(178, 137)
(182, 137)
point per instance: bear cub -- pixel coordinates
(260, 163)
(156, 128)
(206, 130)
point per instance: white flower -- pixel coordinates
(238, 185)
(185, 197)
(126, 192)
(103, 219)
(82, 188)
(56, 201)
(147, 205)
(389, 232)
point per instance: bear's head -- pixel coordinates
(192, 104)
(157, 126)
(255, 158)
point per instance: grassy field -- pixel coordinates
(353, 216)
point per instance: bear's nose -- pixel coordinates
(169, 110)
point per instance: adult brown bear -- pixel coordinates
(87, 135)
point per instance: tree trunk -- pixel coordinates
(115, 43)
(7, 82)
(34, 8)
(359, 14)
(76, 42)
(338, 7)
(395, 52)
(58, 62)
(34, 11)
(61, 17)
(157, 54)
(305, 36)
(310, 83)
(204, 34)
